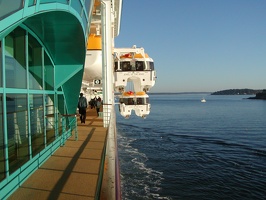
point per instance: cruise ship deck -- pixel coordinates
(74, 170)
(46, 61)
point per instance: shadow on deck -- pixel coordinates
(72, 171)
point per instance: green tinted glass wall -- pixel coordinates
(17, 130)
(1, 65)
(2, 156)
(35, 64)
(36, 123)
(50, 118)
(15, 62)
(49, 73)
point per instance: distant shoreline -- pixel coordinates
(237, 92)
(173, 93)
(260, 94)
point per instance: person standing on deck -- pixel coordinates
(82, 105)
(98, 105)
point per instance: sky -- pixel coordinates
(199, 45)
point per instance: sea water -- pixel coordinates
(186, 149)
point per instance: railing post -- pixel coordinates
(63, 131)
(76, 125)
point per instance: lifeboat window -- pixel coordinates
(116, 66)
(125, 66)
(139, 65)
(130, 101)
(147, 100)
(151, 65)
(140, 101)
(127, 101)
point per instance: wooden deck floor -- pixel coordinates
(72, 171)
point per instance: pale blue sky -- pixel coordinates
(199, 45)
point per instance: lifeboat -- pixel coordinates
(92, 76)
(139, 102)
(133, 65)
(93, 62)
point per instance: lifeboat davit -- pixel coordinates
(139, 102)
(133, 65)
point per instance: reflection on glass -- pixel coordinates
(139, 65)
(2, 156)
(1, 67)
(50, 119)
(35, 64)
(9, 7)
(15, 59)
(61, 109)
(77, 6)
(49, 73)
(36, 122)
(17, 128)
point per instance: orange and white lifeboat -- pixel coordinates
(133, 66)
(93, 61)
(139, 102)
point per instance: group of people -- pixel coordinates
(96, 103)
(82, 106)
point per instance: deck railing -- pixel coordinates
(112, 173)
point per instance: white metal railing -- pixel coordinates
(111, 157)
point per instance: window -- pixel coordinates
(36, 122)
(2, 156)
(9, 7)
(17, 128)
(61, 109)
(151, 66)
(1, 66)
(49, 73)
(139, 65)
(15, 59)
(50, 118)
(116, 66)
(35, 64)
(125, 66)
(140, 101)
(127, 101)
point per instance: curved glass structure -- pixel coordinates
(42, 54)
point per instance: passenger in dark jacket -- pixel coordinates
(98, 105)
(82, 105)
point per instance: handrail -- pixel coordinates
(73, 123)
(112, 172)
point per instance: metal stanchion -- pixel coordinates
(73, 125)
(63, 131)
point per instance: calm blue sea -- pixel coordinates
(186, 149)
